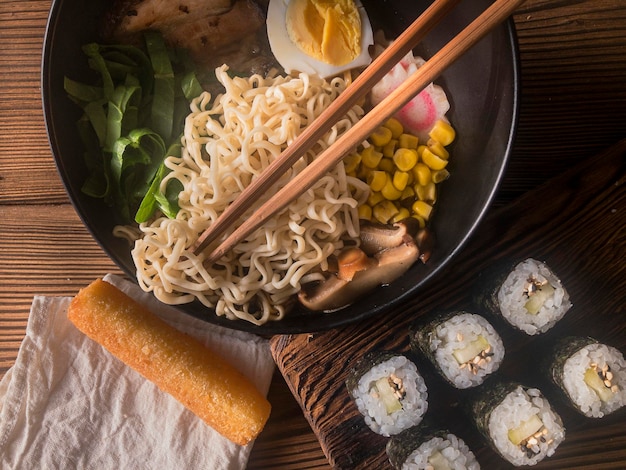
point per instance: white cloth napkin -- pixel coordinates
(69, 404)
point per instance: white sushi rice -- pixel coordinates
(517, 407)
(456, 452)
(414, 403)
(512, 298)
(583, 396)
(457, 333)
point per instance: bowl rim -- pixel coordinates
(310, 324)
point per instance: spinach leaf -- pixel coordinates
(132, 120)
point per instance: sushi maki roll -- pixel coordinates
(426, 447)
(463, 347)
(518, 422)
(592, 375)
(389, 392)
(530, 297)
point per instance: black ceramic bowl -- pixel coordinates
(483, 90)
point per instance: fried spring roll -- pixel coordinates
(179, 365)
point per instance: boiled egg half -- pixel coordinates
(323, 37)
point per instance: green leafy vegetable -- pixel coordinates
(164, 82)
(132, 119)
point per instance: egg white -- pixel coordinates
(292, 59)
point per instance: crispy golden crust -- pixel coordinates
(197, 377)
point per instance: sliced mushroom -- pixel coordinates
(425, 241)
(334, 292)
(326, 295)
(394, 262)
(377, 237)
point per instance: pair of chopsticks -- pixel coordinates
(491, 17)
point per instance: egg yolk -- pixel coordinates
(327, 30)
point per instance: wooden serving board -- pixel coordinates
(577, 224)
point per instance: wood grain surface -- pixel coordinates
(573, 106)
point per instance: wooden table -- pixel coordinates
(573, 106)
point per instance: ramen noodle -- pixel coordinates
(227, 142)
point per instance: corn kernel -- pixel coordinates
(440, 175)
(380, 136)
(374, 198)
(426, 193)
(408, 141)
(389, 149)
(422, 174)
(408, 193)
(384, 211)
(405, 158)
(438, 149)
(365, 212)
(400, 180)
(351, 162)
(395, 127)
(387, 164)
(370, 157)
(390, 192)
(422, 209)
(402, 214)
(420, 150)
(443, 132)
(433, 161)
(377, 179)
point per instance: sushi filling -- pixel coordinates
(437, 461)
(601, 381)
(390, 391)
(475, 355)
(538, 290)
(528, 435)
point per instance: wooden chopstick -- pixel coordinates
(408, 40)
(491, 17)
